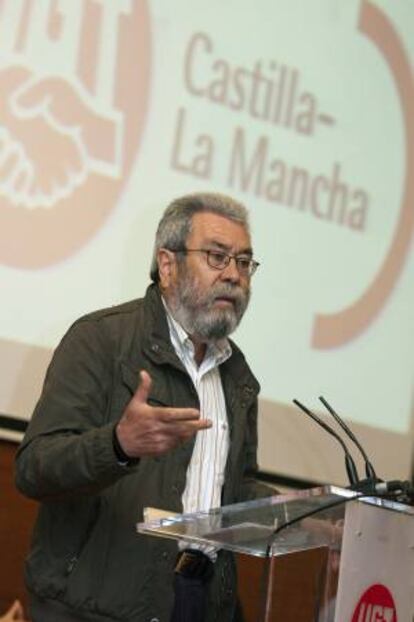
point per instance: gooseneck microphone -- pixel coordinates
(401, 490)
(349, 461)
(369, 469)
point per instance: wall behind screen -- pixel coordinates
(302, 110)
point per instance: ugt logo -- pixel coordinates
(74, 86)
(375, 605)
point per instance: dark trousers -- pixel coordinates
(190, 600)
(192, 573)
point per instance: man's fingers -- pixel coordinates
(172, 415)
(182, 421)
(141, 394)
(186, 430)
(164, 414)
(179, 427)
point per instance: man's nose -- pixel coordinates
(231, 271)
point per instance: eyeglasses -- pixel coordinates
(219, 260)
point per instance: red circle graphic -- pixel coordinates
(376, 603)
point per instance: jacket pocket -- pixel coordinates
(85, 567)
(62, 532)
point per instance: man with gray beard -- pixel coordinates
(147, 404)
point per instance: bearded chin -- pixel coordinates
(215, 325)
(200, 320)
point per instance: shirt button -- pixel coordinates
(155, 347)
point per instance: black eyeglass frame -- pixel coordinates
(227, 257)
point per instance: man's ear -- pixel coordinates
(167, 267)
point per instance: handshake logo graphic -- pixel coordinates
(74, 82)
(51, 139)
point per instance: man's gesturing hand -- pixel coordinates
(145, 430)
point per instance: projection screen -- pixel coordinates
(304, 111)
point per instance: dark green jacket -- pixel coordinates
(87, 556)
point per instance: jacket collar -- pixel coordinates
(157, 343)
(159, 349)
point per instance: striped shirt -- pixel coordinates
(205, 473)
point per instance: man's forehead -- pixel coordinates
(209, 227)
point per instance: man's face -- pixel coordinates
(210, 303)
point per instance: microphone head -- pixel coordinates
(369, 469)
(349, 461)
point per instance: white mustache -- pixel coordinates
(231, 292)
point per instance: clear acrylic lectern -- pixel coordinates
(300, 537)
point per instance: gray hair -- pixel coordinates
(175, 224)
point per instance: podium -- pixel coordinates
(328, 554)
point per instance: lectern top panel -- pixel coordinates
(271, 526)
